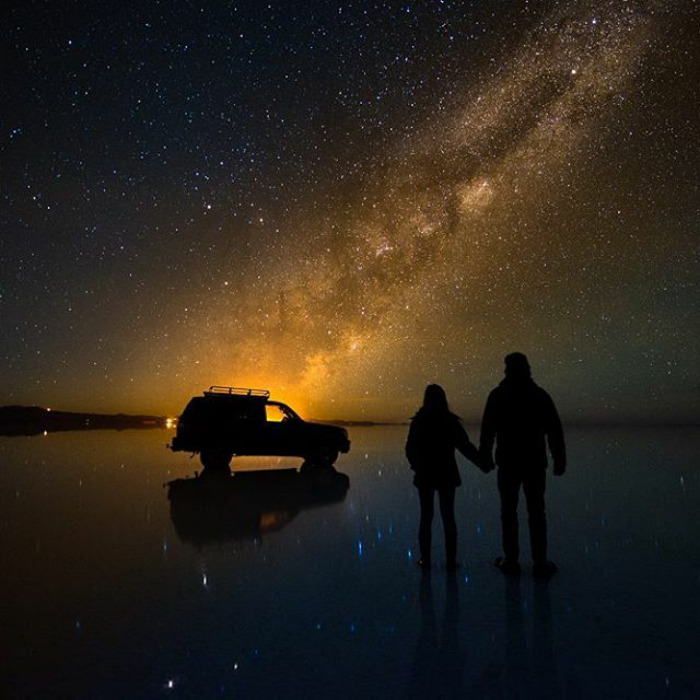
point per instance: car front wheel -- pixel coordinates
(215, 460)
(323, 458)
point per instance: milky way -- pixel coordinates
(536, 194)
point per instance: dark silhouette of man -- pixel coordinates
(521, 417)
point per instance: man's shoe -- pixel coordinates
(506, 567)
(544, 570)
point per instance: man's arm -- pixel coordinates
(488, 432)
(412, 447)
(555, 437)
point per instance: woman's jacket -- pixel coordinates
(430, 449)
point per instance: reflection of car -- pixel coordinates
(228, 421)
(248, 505)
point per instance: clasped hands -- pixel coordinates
(485, 463)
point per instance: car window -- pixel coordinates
(275, 414)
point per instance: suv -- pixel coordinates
(228, 421)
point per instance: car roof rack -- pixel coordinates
(237, 391)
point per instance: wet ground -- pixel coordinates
(287, 588)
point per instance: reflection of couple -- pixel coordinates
(519, 417)
(529, 666)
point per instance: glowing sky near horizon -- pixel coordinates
(344, 201)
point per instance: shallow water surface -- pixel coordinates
(285, 588)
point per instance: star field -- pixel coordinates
(345, 201)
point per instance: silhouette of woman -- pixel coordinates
(434, 435)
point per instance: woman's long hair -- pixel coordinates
(435, 402)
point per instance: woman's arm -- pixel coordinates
(465, 445)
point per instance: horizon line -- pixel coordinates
(591, 421)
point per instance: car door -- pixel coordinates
(281, 433)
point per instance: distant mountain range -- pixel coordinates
(35, 420)
(356, 423)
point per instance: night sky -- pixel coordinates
(344, 201)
